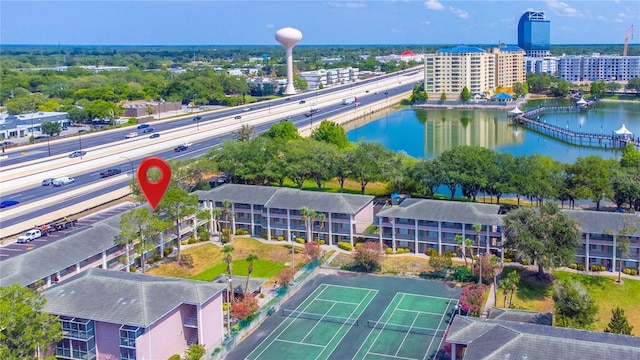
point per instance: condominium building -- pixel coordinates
(598, 67)
(534, 34)
(328, 77)
(510, 65)
(450, 70)
(541, 65)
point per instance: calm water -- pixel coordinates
(427, 133)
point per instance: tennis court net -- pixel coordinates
(404, 328)
(319, 317)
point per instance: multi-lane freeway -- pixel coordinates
(22, 174)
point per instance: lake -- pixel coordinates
(426, 133)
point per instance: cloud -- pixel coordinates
(425, 22)
(563, 9)
(459, 13)
(269, 26)
(601, 18)
(347, 4)
(433, 5)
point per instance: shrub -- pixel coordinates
(462, 274)
(192, 240)
(263, 234)
(595, 267)
(184, 242)
(389, 251)
(167, 251)
(187, 260)
(261, 296)
(319, 241)
(630, 271)
(359, 244)
(286, 276)
(573, 266)
(450, 254)
(242, 232)
(403, 250)
(432, 252)
(345, 246)
(175, 357)
(366, 258)
(245, 308)
(508, 260)
(580, 266)
(133, 269)
(433, 275)
(472, 298)
(300, 240)
(280, 238)
(524, 261)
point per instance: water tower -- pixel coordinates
(289, 37)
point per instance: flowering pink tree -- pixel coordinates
(245, 308)
(472, 299)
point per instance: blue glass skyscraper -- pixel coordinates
(534, 33)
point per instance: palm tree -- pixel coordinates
(250, 259)
(477, 228)
(227, 232)
(464, 245)
(228, 250)
(307, 216)
(216, 213)
(321, 218)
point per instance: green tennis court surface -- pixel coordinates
(411, 327)
(317, 326)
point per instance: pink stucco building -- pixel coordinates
(109, 315)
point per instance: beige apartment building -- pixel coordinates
(510, 65)
(450, 70)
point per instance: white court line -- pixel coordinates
(296, 342)
(428, 296)
(407, 335)
(339, 302)
(421, 312)
(387, 321)
(433, 337)
(391, 356)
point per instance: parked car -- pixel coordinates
(65, 128)
(76, 154)
(143, 126)
(131, 135)
(47, 181)
(29, 236)
(238, 117)
(82, 130)
(6, 143)
(147, 130)
(110, 172)
(153, 136)
(7, 203)
(65, 180)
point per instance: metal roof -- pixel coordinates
(444, 210)
(121, 297)
(461, 49)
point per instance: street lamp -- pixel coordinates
(229, 309)
(293, 256)
(80, 140)
(133, 174)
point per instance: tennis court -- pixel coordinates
(411, 327)
(315, 328)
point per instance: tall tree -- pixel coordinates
(369, 162)
(628, 229)
(574, 306)
(477, 228)
(251, 259)
(51, 128)
(178, 204)
(548, 237)
(465, 244)
(331, 133)
(228, 250)
(593, 173)
(25, 329)
(307, 216)
(366, 258)
(509, 284)
(226, 233)
(137, 226)
(619, 323)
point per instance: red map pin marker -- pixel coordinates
(154, 191)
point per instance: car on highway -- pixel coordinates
(143, 126)
(29, 236)
(76, 154)
(180, 148)
(7, 203)
(6, 143)
(131, 135)
(287, 99)
(147, 130)
(238, 117)
(110, 172)
(197, 118)
(246, 109)
(47, 181)
(301, 102)
(153, 136)
(61, 181)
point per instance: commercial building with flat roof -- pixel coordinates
(534, 33)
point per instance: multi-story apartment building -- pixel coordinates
(328, 77)
(541, 65)
(598, 67)
(450, 70)
(122, 315)
(534, 34)
(510, 65)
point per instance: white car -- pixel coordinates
(131, 135)
(29, 236)
(65, 180)
(187, 144)
(246, 109)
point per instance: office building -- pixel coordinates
(534, 34)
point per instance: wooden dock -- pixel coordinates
(530, 119)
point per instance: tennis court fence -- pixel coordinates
(320, 317)
(404, 328)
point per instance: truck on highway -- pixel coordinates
(349, 100)
(57, 225)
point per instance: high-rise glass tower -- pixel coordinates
(534, 34)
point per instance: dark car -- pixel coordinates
(7, 203)
(143, 126)
(197, 118)
(6, 143)
(154, 136)
(287, 99)
(181, 148)
(76, 154)
(147, 130)
(301, 102)
(110, 172)
(47, 181)
(238, 117)
(82, 130)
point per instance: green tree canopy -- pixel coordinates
(51, 128)
(574, 306)
(24, 328)
(619, 323)
(465, 95)
(283, 131)
(332, 133)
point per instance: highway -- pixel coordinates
(22, 175)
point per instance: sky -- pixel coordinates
(239, 22)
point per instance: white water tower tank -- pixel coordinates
(289, 37)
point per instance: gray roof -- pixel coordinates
(287, 198)
(239, 282)
(602, 222)
(500, 340)
(443, 210)
(121, 297)
(43, 261)
(525, 316)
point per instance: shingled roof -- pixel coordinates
(441, 210)
(121, 297)
(492, 339)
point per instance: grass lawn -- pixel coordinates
(350, 187)
(608, 294)
(261, 269)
